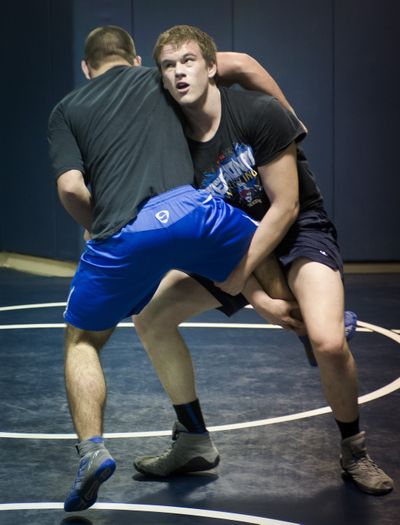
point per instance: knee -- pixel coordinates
(153, 327)
(330, 348)
(77, 338)
(142, 326)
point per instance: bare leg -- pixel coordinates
(178, 298)
(86, 392)
(84, 380)
(319, 291)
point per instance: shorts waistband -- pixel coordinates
(167, 195)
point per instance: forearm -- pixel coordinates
(76, 198)
(269, 234)
(79, 209)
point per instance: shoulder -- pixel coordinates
(241, 97)
(149, 74)
(249, 104)
(57, 115)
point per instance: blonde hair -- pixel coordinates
(182, 34)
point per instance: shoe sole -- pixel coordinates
(198, 464)
(375, 492)
(87, 497)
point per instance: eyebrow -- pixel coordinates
(186, 55)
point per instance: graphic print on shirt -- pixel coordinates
(234, 178)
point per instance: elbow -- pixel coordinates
(67, 192)
(244, 63)
(293, 212)
(69, 185)
(296, 209)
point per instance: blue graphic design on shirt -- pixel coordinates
(235, 177)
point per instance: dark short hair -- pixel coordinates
(181, 34)
(108, 43)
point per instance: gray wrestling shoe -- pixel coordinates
(361, 469)
(96, 466)
(188, 453)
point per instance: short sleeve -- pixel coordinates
(274, 128)
(64, 151)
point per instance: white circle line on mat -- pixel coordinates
(160, 509)
(376, 394)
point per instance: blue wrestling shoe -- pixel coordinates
(95, 467)
(350, 326)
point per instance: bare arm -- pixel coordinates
(242, 69)
(267, 291)
(75, 197)
(280, 182)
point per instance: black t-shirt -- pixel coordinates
(121, 130)
(254, 129)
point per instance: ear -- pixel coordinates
(85, 69)
(137, 61)
(212, 70)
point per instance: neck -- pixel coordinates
(203, 118)
(107, 66)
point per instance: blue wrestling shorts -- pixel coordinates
(184, 228)
(312, 236)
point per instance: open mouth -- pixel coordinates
(182, 87)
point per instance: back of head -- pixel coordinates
(179, 35)
(108, 44)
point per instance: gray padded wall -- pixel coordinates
(367, 111)
(36, 72)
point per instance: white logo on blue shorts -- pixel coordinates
(162, 216)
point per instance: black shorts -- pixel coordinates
(312, 236)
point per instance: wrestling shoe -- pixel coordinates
(361, 469)
(96, 466)
(189, 452)
(350, 326)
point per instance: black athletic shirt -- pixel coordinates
(254, 129)
(120, 130)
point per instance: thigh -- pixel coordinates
(178, 298)
(319, 292)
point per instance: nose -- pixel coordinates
(179, 71)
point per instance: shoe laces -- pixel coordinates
(364, 462)
(81, 471)
(168, 451)
(83, 464)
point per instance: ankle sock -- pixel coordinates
(190, 415)
(349, 429)
(96, 439)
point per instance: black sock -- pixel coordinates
(349, 429)
(191, 417)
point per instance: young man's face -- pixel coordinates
(185, 73)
